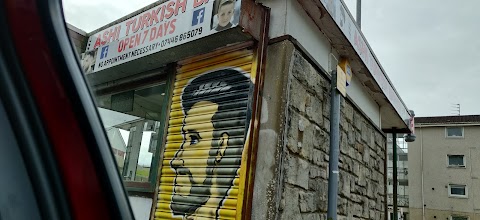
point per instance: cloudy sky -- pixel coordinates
(428, 48)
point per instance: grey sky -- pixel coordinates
(89, 15)
(428, 48)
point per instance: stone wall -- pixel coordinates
(304, 190)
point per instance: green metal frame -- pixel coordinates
(153, 174)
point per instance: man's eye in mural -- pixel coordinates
(194, 137)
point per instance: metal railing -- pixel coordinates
(402, 200)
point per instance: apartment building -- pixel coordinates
(443, 168)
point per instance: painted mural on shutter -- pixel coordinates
(201, 175)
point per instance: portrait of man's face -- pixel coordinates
(213, 133)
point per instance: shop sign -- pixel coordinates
(341, 81)
(345, 65)
(167, 25)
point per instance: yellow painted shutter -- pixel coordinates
(207, 134)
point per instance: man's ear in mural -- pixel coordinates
(222, 146)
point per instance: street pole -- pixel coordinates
(334, 148)
(395, 175)
(359, 13)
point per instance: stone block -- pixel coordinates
(326, 158)
(306, 201)
(303, 173)
(289, 206)
(349, 112)
(371, 204)
(326, 105)
(297, 171)
(370, 189)
(343, 143)
(314, 172)
(320, 137)
(365, 132)
(292, 130)
(357, 210)
(381, 166)
(342, 206)
(314, 184)
(292, 145)
(326, 124)
(314, 110)
(344, 184)
(351, 135)
(372, 140)
(357, 120)
(343, 123)
(305, 151)
(291, 167)
(356, 167)
(349, 163)
(358, 136)
(378, 215)
(360, 148)
(353, 153)
(311, 216)
(366, 154)
(379, 139)
(368, 173)
(317, 157)
(306, 136)
(365, 208)
(378, 204)
(297, 95)
(303, 123)
(362, 190)
(322, 202)
(356, 198)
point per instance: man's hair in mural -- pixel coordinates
(229, 89)
(219, 87)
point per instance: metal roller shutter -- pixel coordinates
(207, 133)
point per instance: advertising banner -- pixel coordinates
(170, 24)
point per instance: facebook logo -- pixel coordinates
(104, 52)
(198, 16)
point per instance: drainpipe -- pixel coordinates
(395, 175)
(334, 148)
(421, 170)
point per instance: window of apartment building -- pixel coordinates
(456, 160)
(454, 132)
(456, 217)
(456, 190)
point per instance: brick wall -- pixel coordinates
(305, 166)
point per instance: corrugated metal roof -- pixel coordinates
(456, 119)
